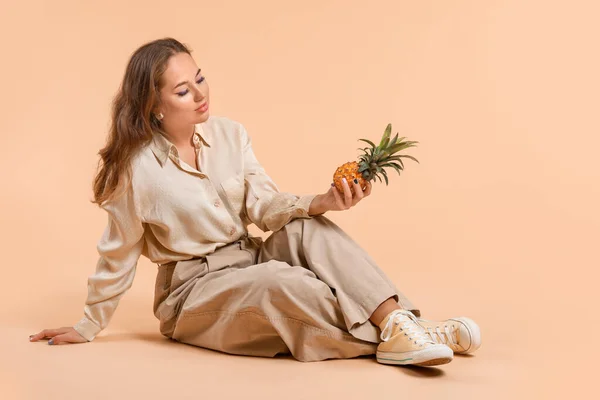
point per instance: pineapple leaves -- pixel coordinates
(396, 167)
(397, 158)
(377, 155)
(386, 136)
(394, 140)
(401, 146)
(375, 158)
(407, 156)
(385, 177)
(368, 141)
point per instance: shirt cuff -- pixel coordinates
(303, 205)
(87, 328)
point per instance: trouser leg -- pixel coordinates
(267, 309)
(321, 246)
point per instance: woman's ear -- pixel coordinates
(157, 104)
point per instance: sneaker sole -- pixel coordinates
(425, 358)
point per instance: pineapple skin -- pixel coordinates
(348, 170)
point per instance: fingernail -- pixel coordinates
(51, 341)
(355, 180)
(30, 337)
(344, 179)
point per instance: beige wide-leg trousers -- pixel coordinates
(308, 290)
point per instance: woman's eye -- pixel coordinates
(199, 81)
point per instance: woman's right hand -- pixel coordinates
(62, 335)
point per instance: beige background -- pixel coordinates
(498, 222)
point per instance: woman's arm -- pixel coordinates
(120, 249)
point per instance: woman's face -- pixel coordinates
(184, 93)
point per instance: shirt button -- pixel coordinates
(217, 203)
(232, 231)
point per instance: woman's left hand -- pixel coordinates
(334, 201)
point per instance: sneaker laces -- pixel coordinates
(446, 337)
(408, 325)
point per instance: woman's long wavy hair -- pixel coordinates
(133, 123)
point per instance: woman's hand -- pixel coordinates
(62, 335)
(334, 201)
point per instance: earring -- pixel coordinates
(160, 116)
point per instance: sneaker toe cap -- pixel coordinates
(470, 334)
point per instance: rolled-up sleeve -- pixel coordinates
(120, 248)
(267, 207)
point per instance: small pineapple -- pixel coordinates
(372, 162)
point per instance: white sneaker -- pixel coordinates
(461, 334)
(405, 342)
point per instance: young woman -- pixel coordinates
(180, 187)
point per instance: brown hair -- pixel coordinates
(133, 122)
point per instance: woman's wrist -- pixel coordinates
(317, 206)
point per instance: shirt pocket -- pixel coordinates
(234, 191)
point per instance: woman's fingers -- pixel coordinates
(368, 188)
(338, 198)
(58, 339)
(69, 337)
(348, 200)
(347, 194)
(49, 333)
(46, 333)
(358, 192)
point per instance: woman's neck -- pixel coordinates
(181, 137)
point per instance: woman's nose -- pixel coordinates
(198, 95)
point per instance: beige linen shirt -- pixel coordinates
(171, 211)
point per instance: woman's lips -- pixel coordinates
(202, 108)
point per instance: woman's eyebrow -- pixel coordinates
(184, 82)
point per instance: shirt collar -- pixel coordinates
(162, 147)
